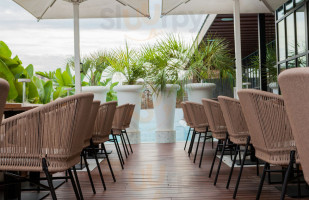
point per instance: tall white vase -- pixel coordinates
(197, 91)
(164, 108)
(98, 91)
(131, 94)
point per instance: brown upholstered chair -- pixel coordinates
(197, 114)
(270, 131)
(218, 129)
(4, 90)
(294, 87)
(188, 121)
(238, 133)
(117, 127)
(100, 134)
(46, 139)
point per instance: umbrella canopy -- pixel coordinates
(188, 7)
(185, 7)
(76, 9)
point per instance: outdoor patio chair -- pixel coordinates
(238, 134)
(119, 122)
(219, 131)
(270, 131)
(294, 87)
(46, 139)
(200, 124)
(126, 125)
(188, 121)
(4, 90)
(100, 134)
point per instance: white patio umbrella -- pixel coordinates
(68, 9)
(189, 7)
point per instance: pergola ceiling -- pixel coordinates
(249, 31)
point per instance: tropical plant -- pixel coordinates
(11, 69)
(163, 61)
(211, 58)
(271, 68)
(127, 61)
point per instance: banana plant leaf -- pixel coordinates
(6, 74)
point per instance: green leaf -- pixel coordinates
(48, 88)
(32, 91)
(66, 79)
(38, 83)
(7, 75)
(4, 50)
(30, 70)
(58, 76)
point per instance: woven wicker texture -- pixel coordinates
(91, 122)
(294, 87)
(4, 90)
(197, 114)
(129, 115)
(120, 117)
(186, 114)
(234, 119)
(215, 118)
(269, 127)
(103, 122)
(55, 131)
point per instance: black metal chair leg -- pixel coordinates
(117, 152)
(120, 153)
(187, 138)
(212, 142)
(73, 184)
(241, 166)
(191, 143)
(123, 145)
(214, 159)
(287, 174)
(221, 157)
(298, 181)
(257, 167)
(197, 145)
(49, 179)
(232, 168)
(128, 141)
(89, 173)
(262, 181)
(98, 166)
(78, 184)
(203, 150)
(109, 164)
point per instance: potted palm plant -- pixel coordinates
(92, 68)
(163, 62)
(210, 59)
(127, 62)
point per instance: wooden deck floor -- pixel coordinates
(164, 171)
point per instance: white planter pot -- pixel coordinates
(98, 91)
(131, 94)
(274, 86)
(197, 91)
(164, 108)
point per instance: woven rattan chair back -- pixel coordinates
(294, 87)
(197, 113)
(55, 131)
(103, 122)
(120, 118)
(234, 119)
(186, 114)
(215, 118)
(129, 115)
(4, 90)
(91, 122)
(268, 124)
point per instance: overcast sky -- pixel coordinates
(48, 43)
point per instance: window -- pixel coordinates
(300, 30)
(281, 40)
(302, 61)
(289, 5)
(290, 35)
(291, 64)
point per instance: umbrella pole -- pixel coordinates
(237, 46)
(77, 48)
